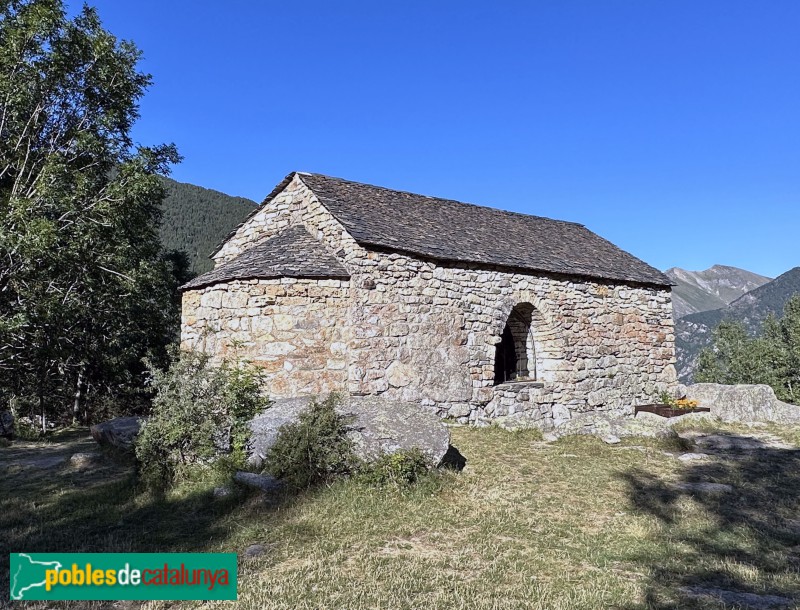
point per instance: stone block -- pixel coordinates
(212, 299)
(276, 348)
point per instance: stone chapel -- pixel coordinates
(472, 312)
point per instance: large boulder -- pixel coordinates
(386, 426)
(6, 424)
(609, 426)
(743, 403)
(118, 433)
(264, 427)
(375, 425)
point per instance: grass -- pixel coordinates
(572, 524)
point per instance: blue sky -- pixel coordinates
(671, 128)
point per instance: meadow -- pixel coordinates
(571, 524)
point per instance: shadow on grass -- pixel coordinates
(720, 549)
(453, 460)
(65, 510)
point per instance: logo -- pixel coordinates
(123, 576)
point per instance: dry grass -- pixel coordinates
(574, 524)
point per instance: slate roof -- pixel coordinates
(453, 231)
(291, 253)
(448, 230)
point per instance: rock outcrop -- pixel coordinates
(6, 424)
(118, 433)
(728, 403)
(743, 403)
(605, 426)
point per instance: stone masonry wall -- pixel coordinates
(426, 331)
(292, 328)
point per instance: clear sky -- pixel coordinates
(670, 127)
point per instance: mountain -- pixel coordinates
(197, 219)
(693, 332)
(713, 288)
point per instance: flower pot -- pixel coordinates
(668, 411)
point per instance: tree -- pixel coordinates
(785, 334)
(772, 358)
(85, 291)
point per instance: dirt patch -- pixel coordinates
(415, 546)
(31, 462)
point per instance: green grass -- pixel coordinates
(572, 524)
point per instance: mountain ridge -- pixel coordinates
(713, 288)
(693, 332)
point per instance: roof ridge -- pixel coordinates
(435, 198)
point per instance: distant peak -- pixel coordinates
(714, 269)
(792, 272)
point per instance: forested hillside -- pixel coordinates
(694, 332)
(197, 219)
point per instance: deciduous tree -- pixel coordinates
(85, 291)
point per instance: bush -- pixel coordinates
(27, 430)
(399, 469)
(199, 411)
(315, 449)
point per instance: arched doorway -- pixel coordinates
(515, 358)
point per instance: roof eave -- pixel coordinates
(245, 278)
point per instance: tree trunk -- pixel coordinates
(76, 405)
(41, 410)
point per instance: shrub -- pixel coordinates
(27, 430)
(199, 411)
(313, 450)
(399, 469)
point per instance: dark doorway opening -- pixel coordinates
(514, 358)
(505, 360)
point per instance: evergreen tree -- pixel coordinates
(197, 220)
(85, 291)
(772, 358)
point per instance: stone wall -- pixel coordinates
(295, 329)
(425, 331)
(296, 204)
